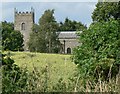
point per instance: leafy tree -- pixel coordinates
(49, 26)
(47, 36)
(100, 50)
(11, 39)
(69, 25)
(106, 10)
(99, 54)
(37, 40)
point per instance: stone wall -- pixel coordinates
(69, 44)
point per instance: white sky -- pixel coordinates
(79, 10)
(49, 0)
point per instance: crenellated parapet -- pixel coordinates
(24, 13)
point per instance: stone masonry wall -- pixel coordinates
(28, 20)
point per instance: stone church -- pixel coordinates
(23, 21)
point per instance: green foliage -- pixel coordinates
(106, 10)
(37, 42)
(69, 25)
(13, 78)
(99, 54)
(45, 38)
(11, 40)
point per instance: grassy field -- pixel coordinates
(58, 65)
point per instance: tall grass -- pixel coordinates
(39, 81)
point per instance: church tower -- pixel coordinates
(23, 22)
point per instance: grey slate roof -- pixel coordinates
(67, 35)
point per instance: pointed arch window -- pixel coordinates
(23, 26)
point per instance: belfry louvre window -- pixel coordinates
(23, 26)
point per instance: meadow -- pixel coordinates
(56, 73)
(58, 65)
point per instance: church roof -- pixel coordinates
(67, 34)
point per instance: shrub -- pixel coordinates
(99, 53)
(13, 78)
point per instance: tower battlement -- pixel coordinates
(23, 13)
(16, 12)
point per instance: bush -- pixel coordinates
(13, 78)
(99, 54)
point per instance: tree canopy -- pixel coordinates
(106, 10)
(11, 39)
(99, 54)
(69, 25)
(100, 49)
(45, 36)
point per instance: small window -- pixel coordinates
(23, 26)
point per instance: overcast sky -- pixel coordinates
(79, 11)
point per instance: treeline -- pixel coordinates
(69, 25)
